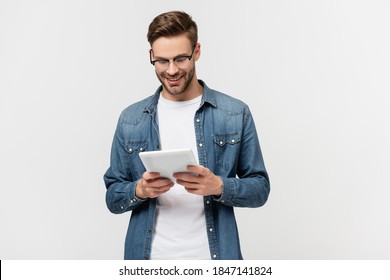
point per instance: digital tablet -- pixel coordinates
(167, 162)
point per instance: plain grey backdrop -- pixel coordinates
(314, 73)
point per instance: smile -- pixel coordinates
(174, 79)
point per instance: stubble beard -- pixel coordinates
(177, 90)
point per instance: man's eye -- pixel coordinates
(162, 61)
(181, 59)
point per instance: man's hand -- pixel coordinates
(152, 185)
(203, 182)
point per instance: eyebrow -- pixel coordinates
(160, 57)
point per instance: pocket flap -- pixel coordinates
(136, 146)
(227, 138)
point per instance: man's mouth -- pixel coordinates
(174, 80)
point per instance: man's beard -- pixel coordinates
(176, 90)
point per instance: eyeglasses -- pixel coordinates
(179, 61)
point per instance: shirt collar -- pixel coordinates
(208, 96)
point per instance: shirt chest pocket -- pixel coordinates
(227, 146)
(133, 149)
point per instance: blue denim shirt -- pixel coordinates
(227, 144)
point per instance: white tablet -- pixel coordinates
(167, 162)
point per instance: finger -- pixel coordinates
(156, 184)
(182, 182)
(198, 169)
(155, 192)
(188, 185)
(162, 183)
(194, 191)
(150, 175)
(161, 189)
(188, 179)
(187, 176)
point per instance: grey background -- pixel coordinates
(315, 74)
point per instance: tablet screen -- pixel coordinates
(167, 162)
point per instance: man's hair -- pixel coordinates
(173, 24)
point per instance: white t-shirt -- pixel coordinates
(180, 224)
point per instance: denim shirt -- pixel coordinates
(227, 144)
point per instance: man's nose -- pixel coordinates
(172, 68)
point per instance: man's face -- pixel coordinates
(175, 76)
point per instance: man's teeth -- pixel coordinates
(176, 79)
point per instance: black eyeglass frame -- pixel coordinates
(189, 57)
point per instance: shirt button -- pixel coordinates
(233, 141)
(141, 149)
(130, 150)
(211, 229)
(207, 202)
(197, 120)
(214, 256)
(220, 142)
(200, 145)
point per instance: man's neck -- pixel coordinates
(194, 90)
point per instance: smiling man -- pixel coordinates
(194, 217)
(177, 78)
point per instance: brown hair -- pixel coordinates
(173, 24)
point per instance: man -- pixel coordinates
(194, 217)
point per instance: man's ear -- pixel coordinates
(197, 52)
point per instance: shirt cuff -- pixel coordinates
(228, 190)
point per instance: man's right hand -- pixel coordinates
(152, 185)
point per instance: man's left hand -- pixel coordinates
(203, 182)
